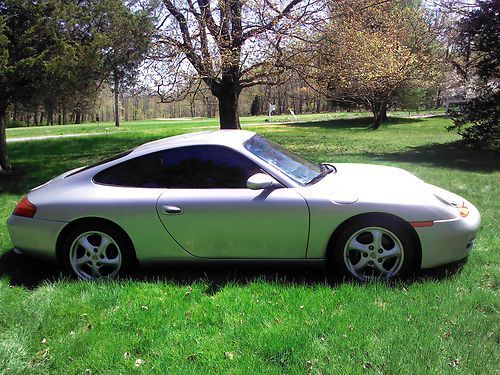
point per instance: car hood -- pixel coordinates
(373, 183)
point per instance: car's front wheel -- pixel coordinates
(373, 249)
(96, 251)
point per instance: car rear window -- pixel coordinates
(107, 160)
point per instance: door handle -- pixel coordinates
(172, 210)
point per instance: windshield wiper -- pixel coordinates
(324, 171)
(331, 167)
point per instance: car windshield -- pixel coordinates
(300, 170)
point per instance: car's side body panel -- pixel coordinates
(237, 223)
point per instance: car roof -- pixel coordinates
(217, 137)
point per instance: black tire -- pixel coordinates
(345, 255)
(88, 260)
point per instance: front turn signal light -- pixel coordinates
(25, 208)
(464, 211)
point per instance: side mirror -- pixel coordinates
(262, 181)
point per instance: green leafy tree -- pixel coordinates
(71, 77)
(123, 37)
(4, 61)
(28, 44)
(478, 46)
(57, 54)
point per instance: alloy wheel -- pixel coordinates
(95, 255)
(373, 253)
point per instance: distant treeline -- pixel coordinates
(288, 97)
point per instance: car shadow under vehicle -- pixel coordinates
(27, 272)
(24, 271)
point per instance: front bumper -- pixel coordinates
(34, 236)
(450, 240)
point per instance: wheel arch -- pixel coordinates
(85, 220)
(375, 215)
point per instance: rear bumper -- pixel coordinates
(33, 236)
(448, 241)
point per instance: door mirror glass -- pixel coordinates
(262, 181)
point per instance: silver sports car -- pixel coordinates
(234, 195)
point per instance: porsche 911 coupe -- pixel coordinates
(232, 195)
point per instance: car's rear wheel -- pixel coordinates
(374, 249)
(96, 251)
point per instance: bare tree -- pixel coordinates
(229, 44)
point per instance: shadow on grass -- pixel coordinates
(27, 272)
(357, 122)
(449, 155)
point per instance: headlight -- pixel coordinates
(451, 200)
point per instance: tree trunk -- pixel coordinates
(379, 109)
(438, 103)
(228, 96)
(4, 162)
(78, 116)
(191, 108)
(383, 112)
(117, 109)
(376, 121)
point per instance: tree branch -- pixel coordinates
(268, 26)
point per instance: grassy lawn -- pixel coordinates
(249, 320)
(157, 127)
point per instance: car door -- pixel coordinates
(210, 212)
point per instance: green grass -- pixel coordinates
(158, 126)
(251, 320)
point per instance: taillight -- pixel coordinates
(25, 208)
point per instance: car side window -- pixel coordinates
(206, 167)
(192, 167)
(143, 171)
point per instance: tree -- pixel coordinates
(256, 106)
(28, 45)
(483, 112)
(4, 61)
(415, 98)
(123, 41)
(57, 54)
(229, 44)
(370, 50)
(478, 50)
